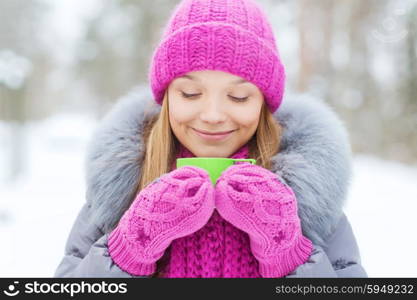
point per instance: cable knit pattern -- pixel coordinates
(172, 206)
(231, 36)
(256, 201)
(219, 249)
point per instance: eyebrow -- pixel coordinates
(239, 81)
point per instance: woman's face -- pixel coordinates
(213, 102)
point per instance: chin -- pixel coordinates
(211, 153)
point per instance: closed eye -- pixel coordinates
(185, 95)
(189, 95)
(239, 99)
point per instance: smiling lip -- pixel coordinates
(216, 136)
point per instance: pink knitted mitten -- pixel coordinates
(175, 205)
(254, 200)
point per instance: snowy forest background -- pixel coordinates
(64, 63)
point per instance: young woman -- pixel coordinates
(218, 82)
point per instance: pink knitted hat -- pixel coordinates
(226, 35)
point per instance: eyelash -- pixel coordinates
(234, 98)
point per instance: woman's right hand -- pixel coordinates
(174, 205)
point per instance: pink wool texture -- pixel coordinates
(254, 230)
(172, 206)
(230, 36)
(256, 201)
(245, 227)
(218, 250)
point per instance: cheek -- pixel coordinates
(180, 117)
(246, 120)
(247, 116)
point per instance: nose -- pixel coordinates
(212, 112)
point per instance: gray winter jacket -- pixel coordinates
(314, 160)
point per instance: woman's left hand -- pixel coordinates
(256, 201)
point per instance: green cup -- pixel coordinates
(213, 165)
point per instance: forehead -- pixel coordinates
(208, 76)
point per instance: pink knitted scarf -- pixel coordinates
(217, 250)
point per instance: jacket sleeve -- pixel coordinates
(340, 256)
(86, 253)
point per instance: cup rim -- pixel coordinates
(216, 158)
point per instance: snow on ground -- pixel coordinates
(38, 210)
(382, 208)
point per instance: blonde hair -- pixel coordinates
(162, 146)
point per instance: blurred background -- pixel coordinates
(64, 63)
